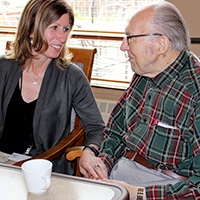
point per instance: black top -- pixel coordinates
(18, 130)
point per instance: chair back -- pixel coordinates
(8, 45)
(86, 57)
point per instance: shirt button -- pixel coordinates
(145, 120)
(149, 97)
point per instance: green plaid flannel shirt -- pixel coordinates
(159, 119)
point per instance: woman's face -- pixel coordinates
(56, 35)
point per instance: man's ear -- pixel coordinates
(163, 45)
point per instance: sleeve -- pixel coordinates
(187, 189)
(112, 146)
(86, 108)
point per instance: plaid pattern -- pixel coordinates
(160, 119)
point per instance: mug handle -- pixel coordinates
(47, 182)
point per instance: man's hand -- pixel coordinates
(91, 166)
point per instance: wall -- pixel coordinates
(106, 99)
(190, 11)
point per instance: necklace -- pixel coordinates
(35, 82)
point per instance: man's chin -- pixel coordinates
(134, 69)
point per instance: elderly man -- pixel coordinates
(151, 144)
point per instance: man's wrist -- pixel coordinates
(140, 193)
(93, 149)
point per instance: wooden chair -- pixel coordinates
(73, 154)
(77, 136)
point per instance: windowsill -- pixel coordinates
(109, 84)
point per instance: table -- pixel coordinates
(12, 186)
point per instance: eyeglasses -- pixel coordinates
(142, 35)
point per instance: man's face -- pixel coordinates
(141, 50)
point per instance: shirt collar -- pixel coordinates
(171, 71)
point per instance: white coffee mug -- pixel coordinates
(37, 175)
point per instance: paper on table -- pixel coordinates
(3, 157)
(18, 157)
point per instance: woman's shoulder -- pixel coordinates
(76, 66)
(8, 64)
(3, 59)
(75, 72)
(76, 69)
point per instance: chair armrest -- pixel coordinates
(72, 138)
(74, 152)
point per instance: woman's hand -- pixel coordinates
(91, 166)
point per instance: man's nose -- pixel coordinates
(124, 46)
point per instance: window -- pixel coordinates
(97, 17)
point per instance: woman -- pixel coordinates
(39, 86)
